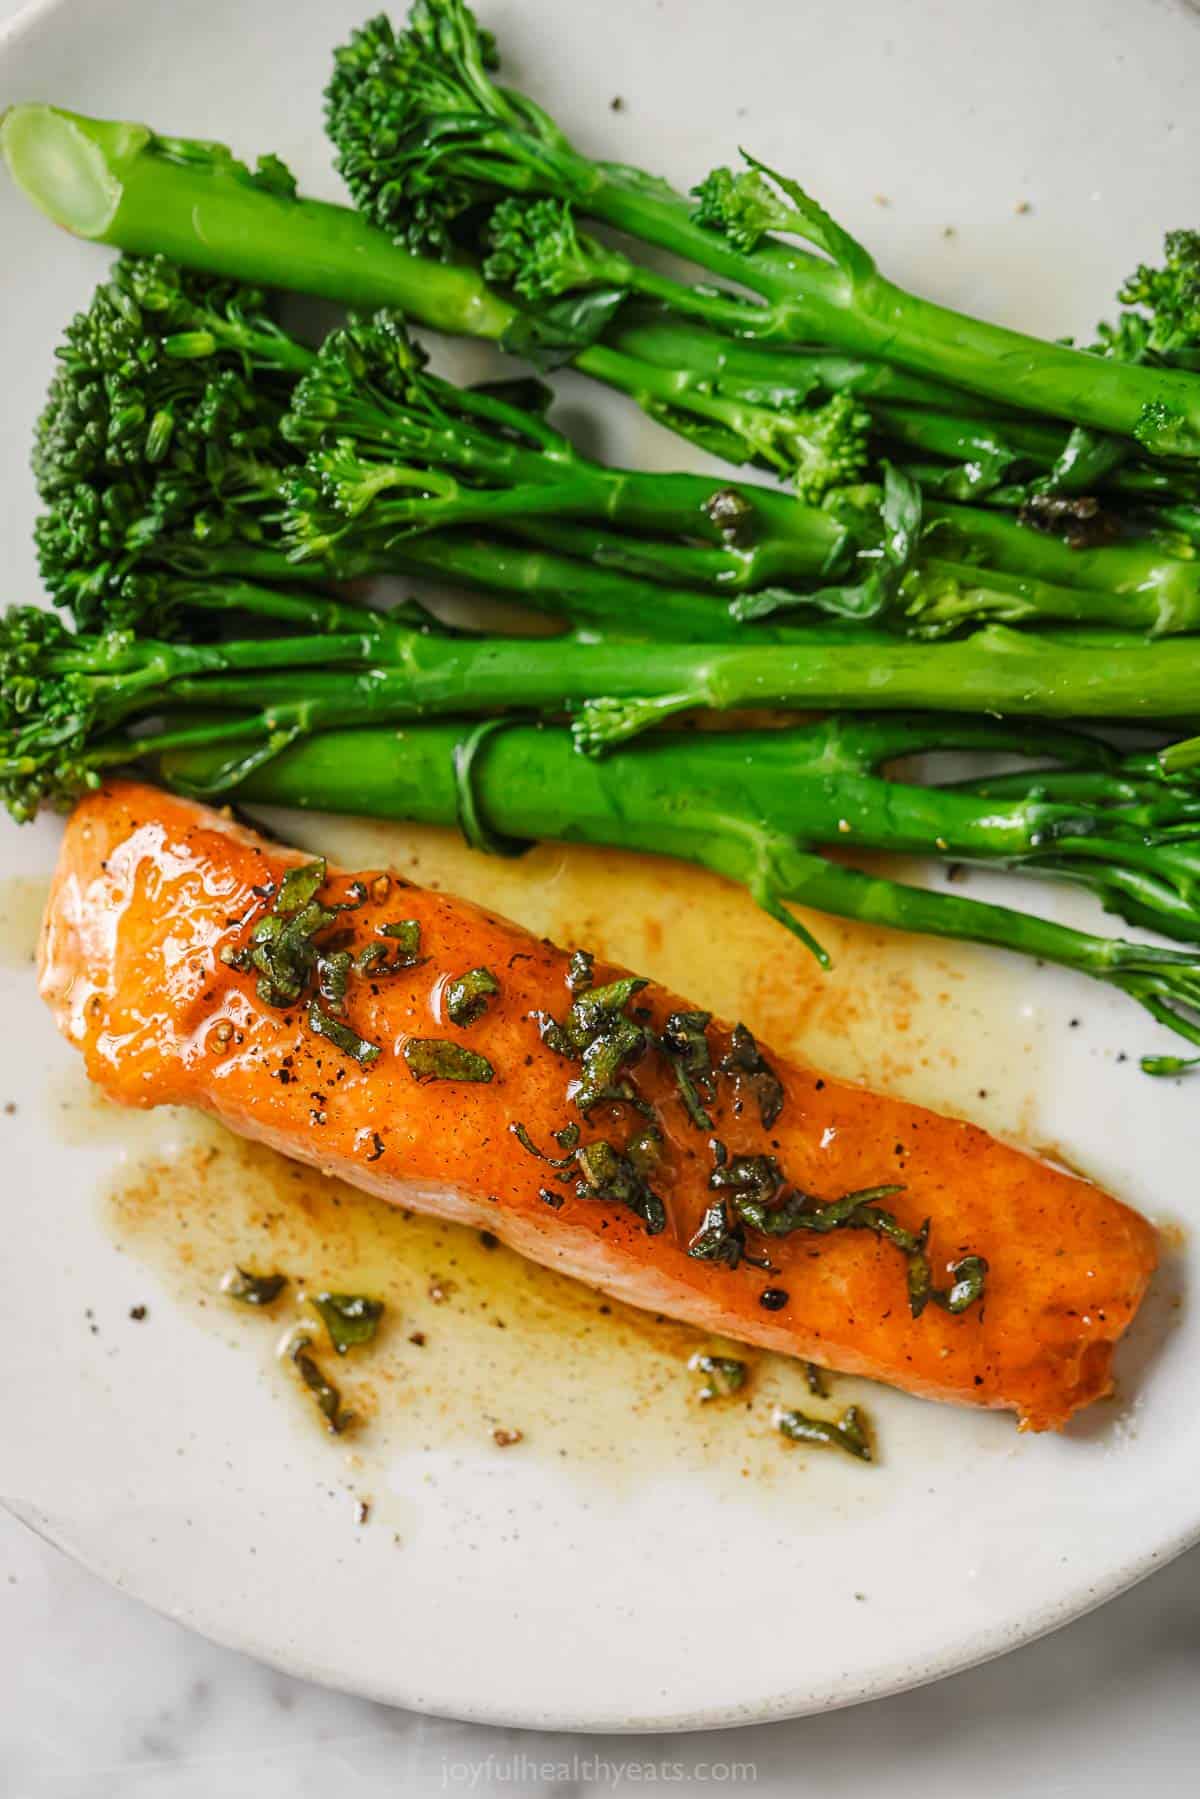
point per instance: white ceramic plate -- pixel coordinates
(524, 1589)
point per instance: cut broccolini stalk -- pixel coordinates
(123, 184)
(752, 806)
(120, 183)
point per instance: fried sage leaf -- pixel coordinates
(435, 1059)
(620, 1176)
(723, 1375)
(327, 1396)
(752, 1075)
(252, 1289)
(468, 994)
(848, 1431)
(684, 1041)
(340, 1034)
(350, 1318)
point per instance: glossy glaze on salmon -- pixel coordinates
(151, 889)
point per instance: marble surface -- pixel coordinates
(102, 1699)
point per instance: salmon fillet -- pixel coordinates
(151, 889)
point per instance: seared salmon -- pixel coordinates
(678, 1166)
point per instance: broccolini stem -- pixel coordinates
(806, 783)
(940, 596)
(119, 183)
(1137, 568)
(307, 611)
(593, 596)
(622, 689)
(800, 542)
(788, 375)
(852, 306)
(134, 664)
(736, 566)
(744, 805)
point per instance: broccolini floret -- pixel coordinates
(424, 135)
(1170, 297)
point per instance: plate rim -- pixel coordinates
(886, 1683)
(887, 1678)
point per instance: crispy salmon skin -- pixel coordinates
(151, 889)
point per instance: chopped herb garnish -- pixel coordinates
(377, 959)
(327, 1396)
(608, 1174)
(848, 1431)
(718, 1239)
(467, 996)
(603, 1060)
(299, 886)
(818, 1386)
(596, 1007)
(685, 1042)
(407, 933)
(284, 952)
(349, 1318)
(606, 1041)
(598, 1033)
(373, 959)
(435, 1059)
(761, 1202)
(567, 1140)
(721, 1239)
(333, 978)
(253, 1289)
(644, 1149)
(744, 1064)
(579, 970)
(755, 1181)
(969, 1275)
(723, 1375)
(322, 1024)
(553, 1035)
